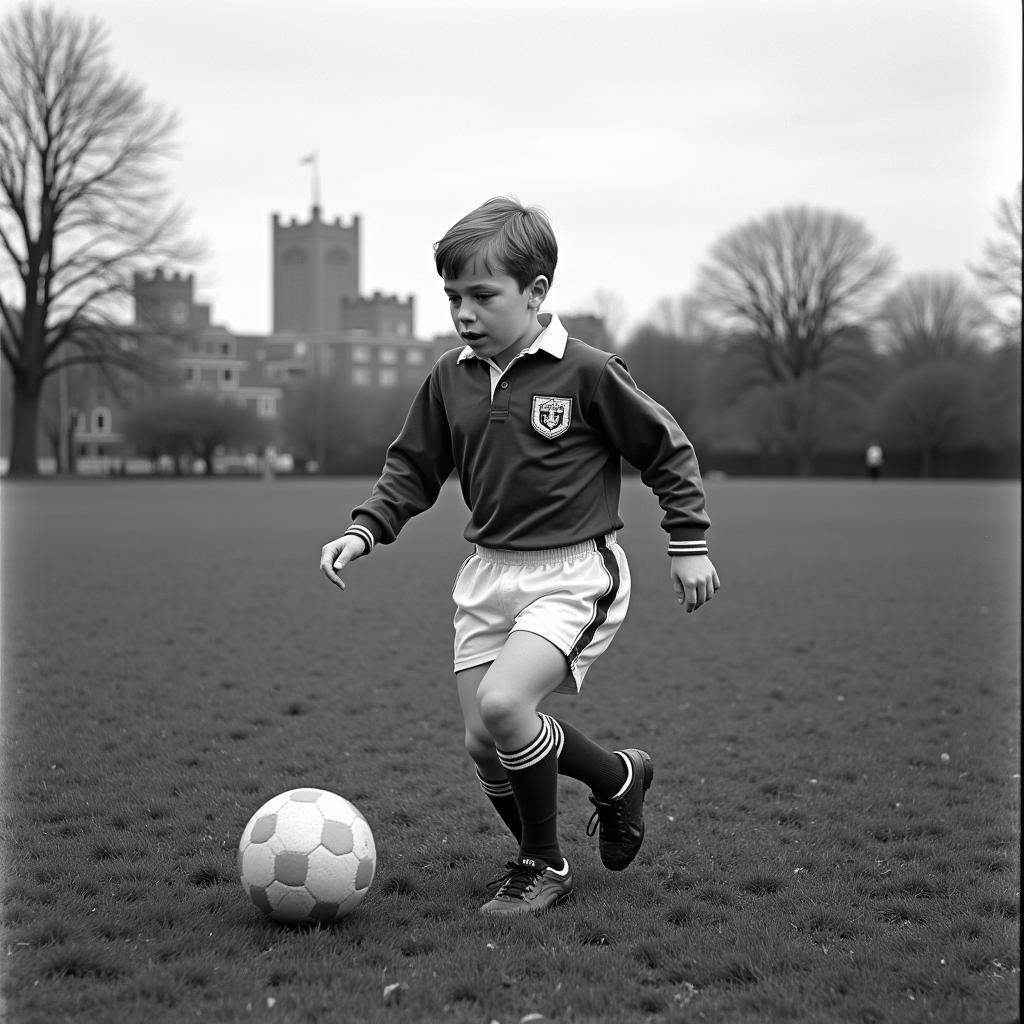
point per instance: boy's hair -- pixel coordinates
(506, 236)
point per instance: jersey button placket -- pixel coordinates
(500, 402)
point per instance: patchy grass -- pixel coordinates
(833, 833)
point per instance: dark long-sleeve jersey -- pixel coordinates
(537, 451)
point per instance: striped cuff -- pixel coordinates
(678, 548)
(497, 788)
(540, 747)
(363, 534)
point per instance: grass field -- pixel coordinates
(833, 832)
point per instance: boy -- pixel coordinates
(534, 423)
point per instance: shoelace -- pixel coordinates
(516, 881)
(610, 815)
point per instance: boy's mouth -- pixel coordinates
(471, 336)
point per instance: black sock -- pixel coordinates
(499, 792)
(579, 757)
(533, 775)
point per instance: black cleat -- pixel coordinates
(622, 818)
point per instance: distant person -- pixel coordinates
(873, 458)
(535, 424)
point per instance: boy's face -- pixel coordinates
(490, 312)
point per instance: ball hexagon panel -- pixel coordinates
(291, 906)
(330, 878)
(256, 864)
(299, 826)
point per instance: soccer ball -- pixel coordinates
(307, 856)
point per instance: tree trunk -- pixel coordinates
(24, 460)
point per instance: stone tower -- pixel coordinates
(315, 269)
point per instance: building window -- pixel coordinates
(402, 329)
(225, 348)
(293, 256)
(101, 421)
(337, 256)
(266, 407)
(388, 378)
(300, 350)
(389, 356)
(190, 374)
(414, 356)
(227, 377)
(361, 354)
(361, 377)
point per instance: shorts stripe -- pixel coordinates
(533, 753)
(601, 606)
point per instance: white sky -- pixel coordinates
(646, 129)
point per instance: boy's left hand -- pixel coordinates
(694, 579)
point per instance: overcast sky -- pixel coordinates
(646, 129)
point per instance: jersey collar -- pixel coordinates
(551, 340)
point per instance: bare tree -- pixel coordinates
(681, 317)
(83, 204)
(999, 272)
(932, 318)
(789, 291)
(931, 409)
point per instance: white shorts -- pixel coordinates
(574, 597)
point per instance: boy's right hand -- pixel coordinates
(336, 554)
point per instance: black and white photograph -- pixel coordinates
(510, 512)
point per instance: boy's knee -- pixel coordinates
(497, 711)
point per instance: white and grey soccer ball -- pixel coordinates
(306, 857)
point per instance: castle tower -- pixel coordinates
(315, 268)
(164, 301)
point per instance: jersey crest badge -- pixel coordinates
(551, 416)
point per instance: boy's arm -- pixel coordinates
(418, 462)
(336, 554)
(694, 580)
(647, 436)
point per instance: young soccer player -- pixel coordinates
(534, 423)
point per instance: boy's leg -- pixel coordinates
(480, 747)
(526, 671)
(619, 781)
(580, 758)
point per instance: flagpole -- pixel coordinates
(314, 159)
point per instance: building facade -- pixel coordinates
(324, 328)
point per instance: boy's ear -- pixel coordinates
(537, 291)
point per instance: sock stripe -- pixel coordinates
(556, 729)
(533, 753)
(496, 788)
